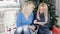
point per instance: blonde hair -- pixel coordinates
(44, 5)
(24, 10)
(26, 4)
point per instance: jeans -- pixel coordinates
(25, 30)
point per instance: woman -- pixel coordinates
(42, 19)
(24, 18)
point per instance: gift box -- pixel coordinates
(56, 30)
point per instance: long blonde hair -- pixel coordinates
(44, 5)
(26, 4)
(24, 10)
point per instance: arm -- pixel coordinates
(39, 23)
(18, 22)
(42, 23)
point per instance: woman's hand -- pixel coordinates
(35, 21)
(32, 27)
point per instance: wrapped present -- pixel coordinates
(56, 30)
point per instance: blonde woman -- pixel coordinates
(24, 18)
(42, 19)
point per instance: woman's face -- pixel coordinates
(41, 10)
(30, 8)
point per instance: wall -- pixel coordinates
(57, 4)
(8, 13)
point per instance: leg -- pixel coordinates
(19, 30)
(48, 32)
(26, 30)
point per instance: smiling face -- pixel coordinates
(30, 7)
(41, 10)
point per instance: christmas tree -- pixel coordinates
(51, 11)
